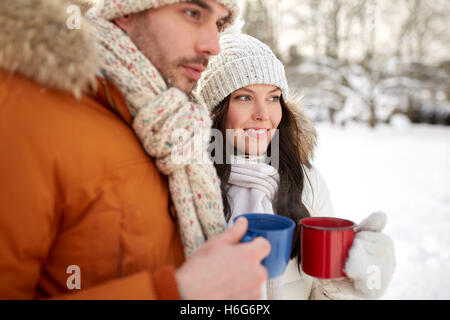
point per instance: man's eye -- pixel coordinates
(193, 13)
(220, 25)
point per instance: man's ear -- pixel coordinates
(124, 22)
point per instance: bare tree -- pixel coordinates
(260, 22)
(426, 22)
(315, 4)
(332, 26)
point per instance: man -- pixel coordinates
(85, 172)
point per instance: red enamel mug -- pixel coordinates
(325, 243)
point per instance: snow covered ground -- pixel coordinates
(403, 170)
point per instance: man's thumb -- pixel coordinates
(235, 233)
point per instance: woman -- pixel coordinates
(269, 167)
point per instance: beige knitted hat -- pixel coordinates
(243, 61)
(111, 9)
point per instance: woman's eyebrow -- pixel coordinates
(248, 90)
(251, 91)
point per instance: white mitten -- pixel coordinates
(371, 259)
(369, 267)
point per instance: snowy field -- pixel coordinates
(403, 170)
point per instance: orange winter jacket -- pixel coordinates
(77, 189)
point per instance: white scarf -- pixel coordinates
(254, 185)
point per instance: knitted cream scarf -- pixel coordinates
(158, 111)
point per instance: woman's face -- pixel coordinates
(254, 114)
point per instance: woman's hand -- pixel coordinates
(369, 266)
(371, 259)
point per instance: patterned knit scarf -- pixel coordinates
(158, 113)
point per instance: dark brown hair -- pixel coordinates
(288, 200)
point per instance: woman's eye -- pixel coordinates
(275, 98)
(243, 98)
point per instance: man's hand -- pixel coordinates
(224, 268)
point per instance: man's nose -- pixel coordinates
(208, 42)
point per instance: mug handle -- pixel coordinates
(248, 237)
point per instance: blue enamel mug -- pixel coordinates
(279, 231)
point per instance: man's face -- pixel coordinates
(178, 39)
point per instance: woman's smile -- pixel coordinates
(257, 132)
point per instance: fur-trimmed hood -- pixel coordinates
(307, 131)
(36, 43)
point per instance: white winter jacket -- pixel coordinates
(316, 197)
(252, 188)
